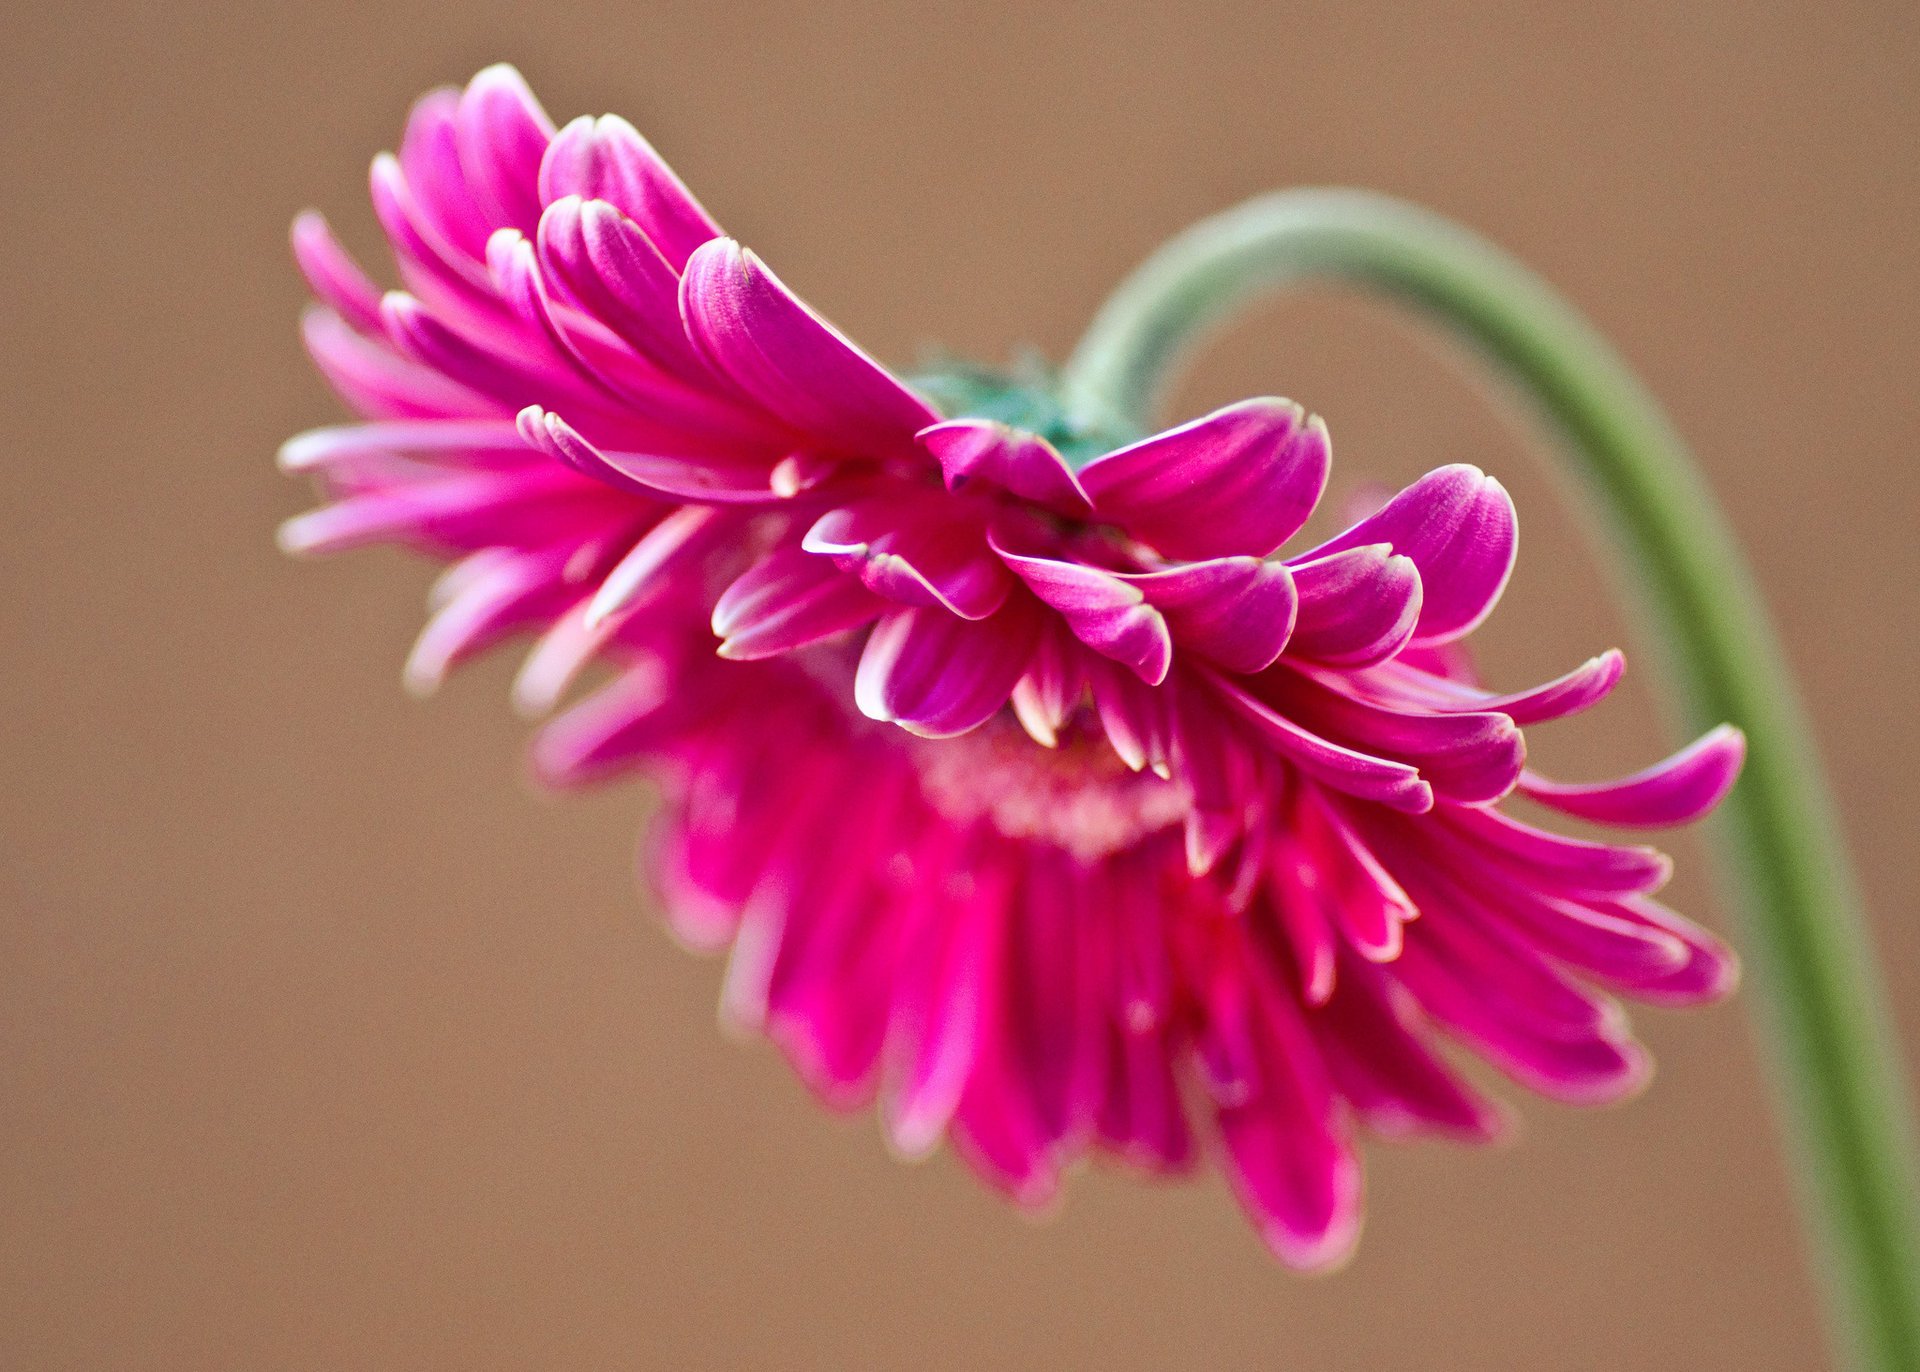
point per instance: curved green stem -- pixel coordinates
(1838, 1078)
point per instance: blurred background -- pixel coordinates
(325, 1042)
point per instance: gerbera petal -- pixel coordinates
(603, 260)
(1293, 1171)
(1677, 791)
(1013, 459)
(1599, 1065)
(1105, 612)
(1394, 784)
(597, 738)
(1238, 611)
(786, 601)
(1582, 688)
(1239, 481)
(939, 676)
(607, 159)
(1568, 866)
(683, 535)
(659, 476)
(502, 134)
(435, 185)
(796, 364)
(1710, 972)
(1458, 526)
(333, 275)
(378, 382)
(916, 552)
(1381, 1062)
(1471, 757)
(1356, 607)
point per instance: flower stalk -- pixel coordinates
(1838, 1080)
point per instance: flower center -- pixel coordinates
(1078, 796)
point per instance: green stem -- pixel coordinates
(1839, 1082)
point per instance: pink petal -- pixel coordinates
(1585, 686)
(938, 676)
(1381, 1063)
(1561, 865)
(1458, 526)
(1711, 970)
(1104, 612)
(434, 183)
(1292, 1169)
(1051, 690)
(676, 541)
(916, 552)
(470, 443)
(1677, 791)
(603, 734)
(333, 275)
(1238, 611)
(786, 601)
(657, 476)
(796, 364)
(935, 1026)
(1394, 784)
(601, 259)
(607, 159)
(377, 382)
(502, 133)
(1241, 480)
(1013, 459)
(1357, 607)
(1581, 1067)
(1475, 758)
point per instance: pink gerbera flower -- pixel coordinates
(1036, 793)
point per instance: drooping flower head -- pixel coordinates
(1037, 791)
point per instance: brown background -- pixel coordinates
(326, 1044)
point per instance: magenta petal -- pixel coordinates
(1391, 783)
(1357, 607)
(934, 1028)
(917, 553)
(787, 601)
(1239, 611)
(607, 159)
(1585, 686)
(796, 364)
(1240, 481)
(1677, 791)
(471, 443)
(593, 740)
(601, 259)
(1051, 690)
(333, 275)
(1560, 865)
(1013, 459)
(659, 476)
(1711, 969)
(378, 382)
(1458, 525)
(683, 535)
(1471, 757)
(939, 676)
(1104, 612)
(502, 134)
(1593, 1066)
(432, 182)
(1292, 1169)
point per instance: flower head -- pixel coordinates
(1036, 792)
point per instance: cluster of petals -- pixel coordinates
(1044, 801)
